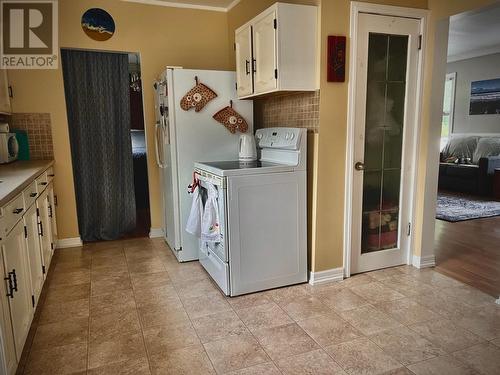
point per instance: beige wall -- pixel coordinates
(162, 35)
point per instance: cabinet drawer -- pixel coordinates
(10, 214)
(41, 182)
(50, 174)
(30, 194)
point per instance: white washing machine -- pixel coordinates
(262, 213)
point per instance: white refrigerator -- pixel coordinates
(183, 137)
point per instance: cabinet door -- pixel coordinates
(18, 285)
(44, 232)
(6, 337)
(52, 212)
(264, 49)
(4, 92)
(34, 252)
(243, 45)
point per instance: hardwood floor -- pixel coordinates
(469, 251)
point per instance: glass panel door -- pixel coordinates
(385, 107)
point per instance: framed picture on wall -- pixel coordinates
(485, 97)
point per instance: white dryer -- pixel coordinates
(262, 213)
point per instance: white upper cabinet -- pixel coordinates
(243, 49)
(4, 92)
(284, 51)
(265, 59)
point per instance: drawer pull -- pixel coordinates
(51, 175)
(11, 287)
(17, 211)
(43, 183)
(14, 277)
(32, 195)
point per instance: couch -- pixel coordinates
(468, 162)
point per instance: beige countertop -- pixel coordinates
(14, 177)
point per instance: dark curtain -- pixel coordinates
(97, 101)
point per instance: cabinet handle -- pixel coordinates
(254, 65)
(17, 211)
(247, 67)
(41, 229)
(14, 276)
(50, 211)
(51, 175)
(33, 195)
(11, 288)
(43, 183)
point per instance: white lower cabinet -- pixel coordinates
(34, 252)
(27, 232)
(44, 223)
(17, 284)
(8, 355)
(52, 211)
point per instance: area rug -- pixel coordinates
(459, 208)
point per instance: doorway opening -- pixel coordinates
(108, 148)
(467, 224)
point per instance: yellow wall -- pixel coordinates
(162, 35)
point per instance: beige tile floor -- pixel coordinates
(127, 307)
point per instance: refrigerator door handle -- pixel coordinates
(157, 145)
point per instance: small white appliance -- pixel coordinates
(9, 147)
(262, 215)
(248, 151)
(182, 137)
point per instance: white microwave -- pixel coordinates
(9, 148)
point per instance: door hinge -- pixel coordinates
(55, 200)
(25, 232)
(11, 92)
(275, 23)
(33, 300)
(51, 246)
(420, 41)
(37, 212)
(43, 270)
(408, 233)
(234, 46)
(236, 85)
(276, 73)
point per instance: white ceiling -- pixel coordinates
(217, 5)
(474, 33)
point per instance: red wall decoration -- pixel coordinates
(336, 58)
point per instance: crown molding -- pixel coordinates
(172, 4)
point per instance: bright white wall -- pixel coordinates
(475, 69)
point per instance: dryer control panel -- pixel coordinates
(279, 138)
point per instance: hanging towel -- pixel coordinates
(193, 225)
(210, 225)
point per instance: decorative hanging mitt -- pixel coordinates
(231, 119)
(197, 97)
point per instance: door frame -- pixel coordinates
(394, 11)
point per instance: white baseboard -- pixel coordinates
(321, 277)
(69, 242)
(424, 262)
(155, 232)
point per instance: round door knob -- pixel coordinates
(359, 166)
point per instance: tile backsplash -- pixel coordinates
(298, 110)
(38, 128)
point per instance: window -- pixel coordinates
(448, 106)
